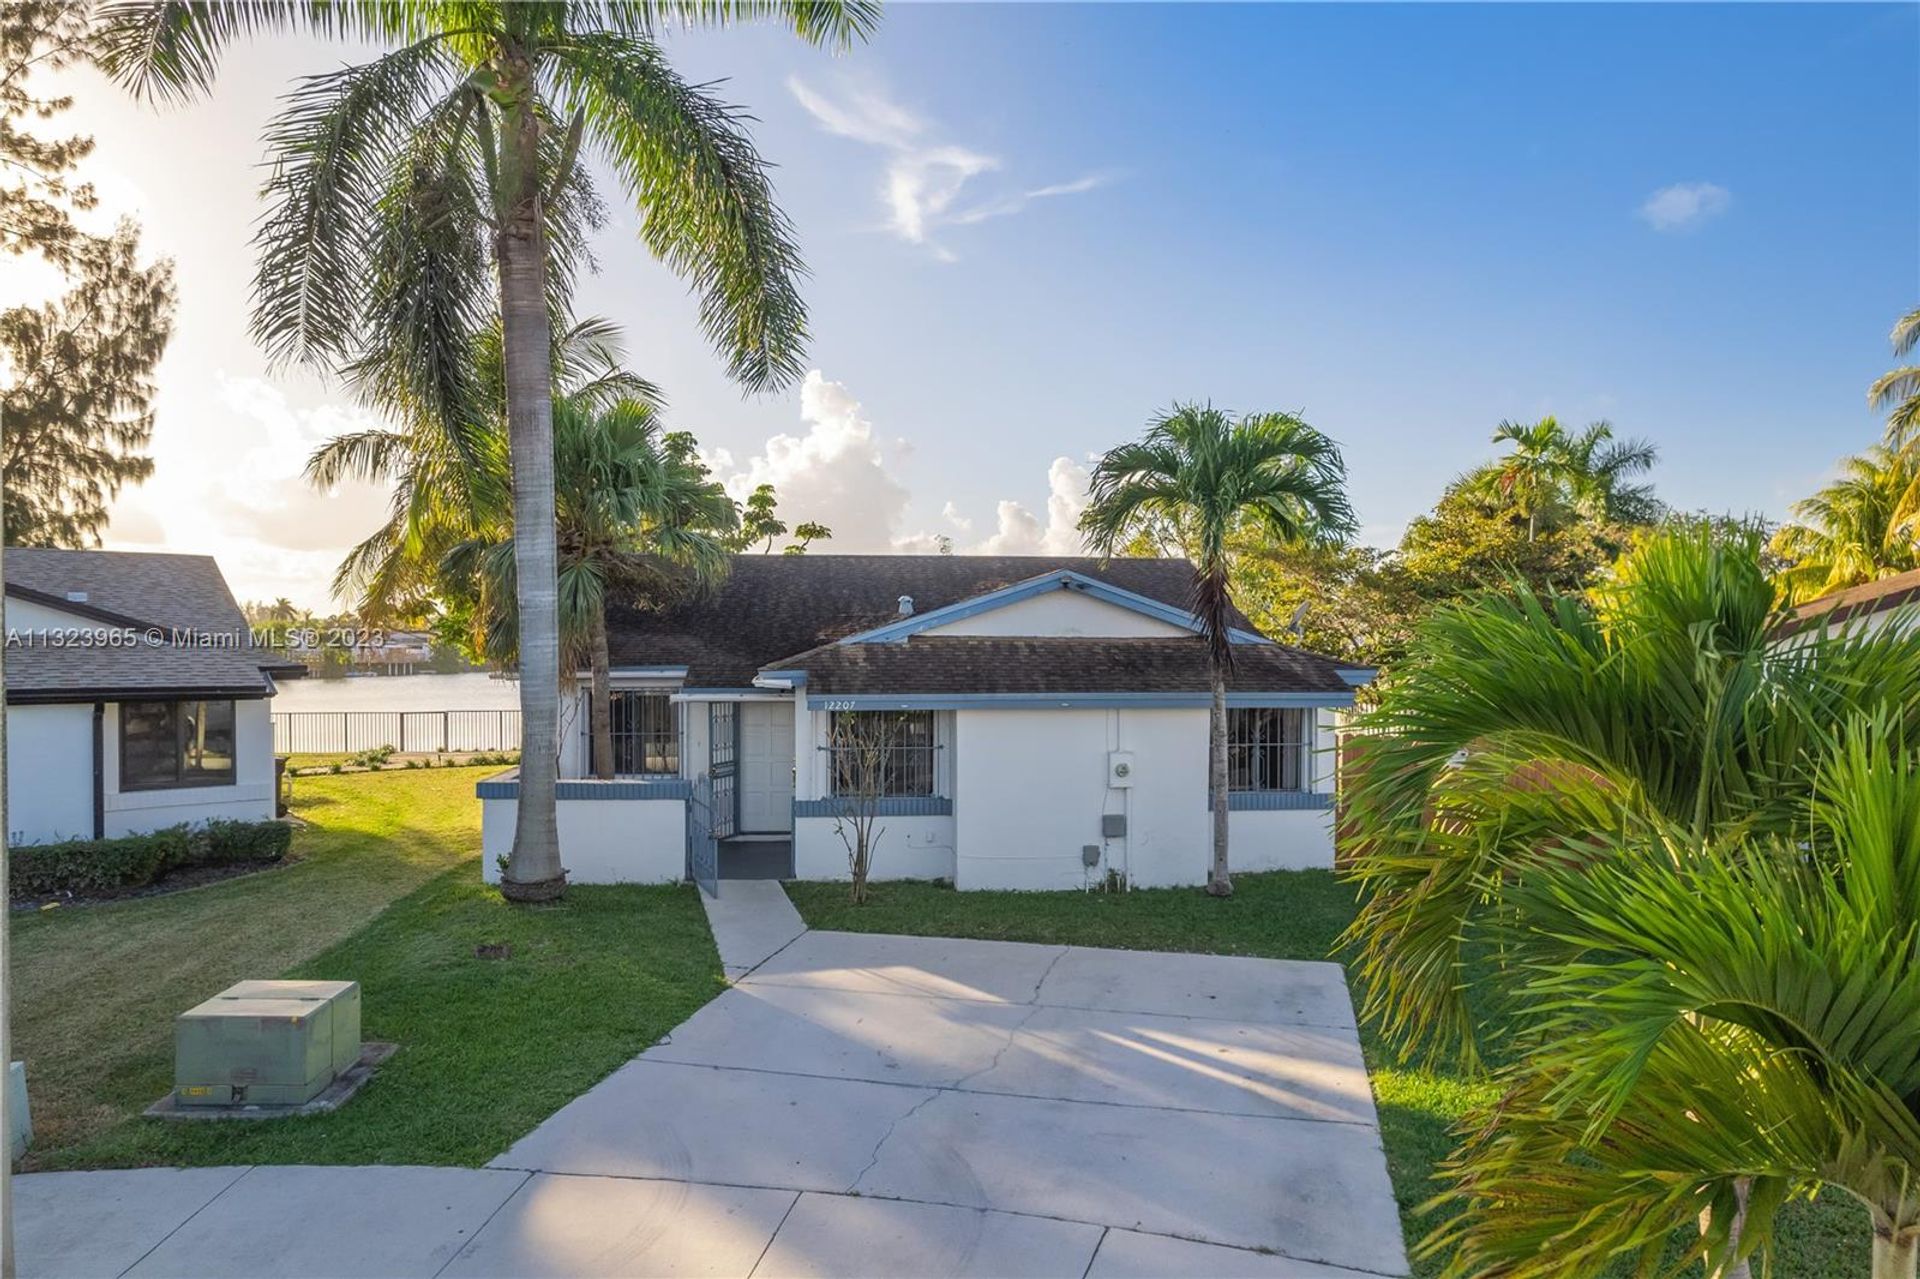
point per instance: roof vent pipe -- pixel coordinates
(906, 606)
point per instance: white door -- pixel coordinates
(766, 767)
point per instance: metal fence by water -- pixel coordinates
(409, 732)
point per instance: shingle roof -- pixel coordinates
(1856, 601)
(773, 606)
(1057, 664)
(119, 590)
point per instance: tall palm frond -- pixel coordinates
(1864, 525)
(1897, 392)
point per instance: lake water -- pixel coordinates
(467, 691)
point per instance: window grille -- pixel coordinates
(1268, 748)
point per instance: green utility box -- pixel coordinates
(266, 1043)
(340, 999)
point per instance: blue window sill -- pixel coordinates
(891, 806)
(1274, 801)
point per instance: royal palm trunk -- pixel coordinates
(1219, 883)
(533, 870)
(602, 697)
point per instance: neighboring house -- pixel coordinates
(1867, 607)
(135, 699)
(1055, 732)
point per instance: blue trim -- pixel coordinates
(1059, 580)
(890, 806)
(649, 672)
(1274, 801)
(1060, 701)
(625, 788)
(747, 690)
(1358, 676)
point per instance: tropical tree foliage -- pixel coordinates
(1863, 525)
(635, 514)
(1200, 475)
(761, 525)
(1525, 730)
(444, 181)
(76, 412)
(1551, 476)
(1897, 392)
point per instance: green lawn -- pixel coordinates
(384, 889)
(1277, 916)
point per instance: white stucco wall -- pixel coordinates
(250, 798)
(1061, 612)
(32, 615)
(49, 773)
(906, 848)
(602, 841)
(1299, 840)
(50, 776)
(1030, 788)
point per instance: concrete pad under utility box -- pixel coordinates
(340, 1000)
(276, 1052)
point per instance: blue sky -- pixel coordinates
(1030, 226)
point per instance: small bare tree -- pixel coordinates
(862, 749)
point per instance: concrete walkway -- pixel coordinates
(751, 920)
(854, 1105)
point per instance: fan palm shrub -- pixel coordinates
(1204, 475)
(634, 509)
(1521, 726)
(444, 181)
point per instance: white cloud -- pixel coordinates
(839, 473)
(835, 473)
(1684, 205)
(1020, 532)
(924, 180)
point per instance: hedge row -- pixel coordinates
(89, 866)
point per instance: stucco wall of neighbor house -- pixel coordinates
(1031, 786)
(250, 798)
(49, 772)
(32, 615)
(602, 841)
(1060, 612)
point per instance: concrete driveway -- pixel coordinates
(855, 1105)
(875, 1105)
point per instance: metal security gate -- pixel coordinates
(703, 847)
(723, 749)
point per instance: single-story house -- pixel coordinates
(135, 698)
(1051, 728)
(1867, 607)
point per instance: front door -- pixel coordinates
(766, 767)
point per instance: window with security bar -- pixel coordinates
(646, 734)
(1268, 748)
(897, 746)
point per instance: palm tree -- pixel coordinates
(630, 511)
(1549, 471)
(1520, 727)
(444, 181)
(1897, 393)
(1858, 528)
(1207, 474)
(1596, 469)
(1711, 1014)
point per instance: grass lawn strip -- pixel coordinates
(1284, 915)
(385, 891)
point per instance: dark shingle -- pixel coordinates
(1056, 664)
(772, 606)
(119, 590)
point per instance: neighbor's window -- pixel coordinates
(897, 745)
(1267, 748)
(175, 744)
(646, 734)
